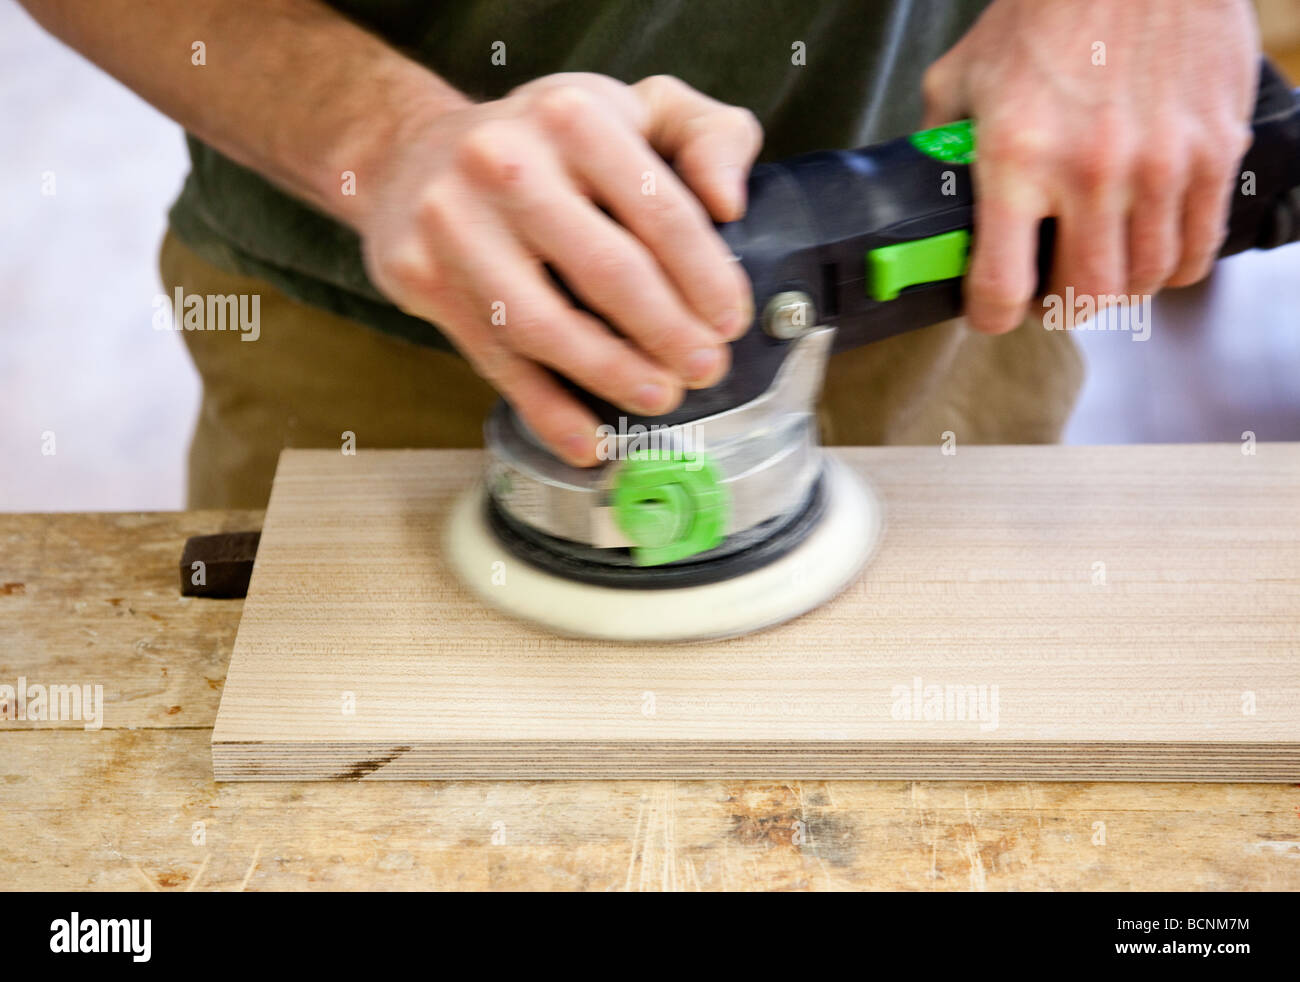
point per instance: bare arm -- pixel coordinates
(461, 205)
(291, 88)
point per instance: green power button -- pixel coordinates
(895, 267)
(952, 142)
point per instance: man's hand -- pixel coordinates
(569, 171)
(1125, 120)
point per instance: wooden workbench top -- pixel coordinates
(92, 599)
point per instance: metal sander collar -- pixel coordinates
(764, 453)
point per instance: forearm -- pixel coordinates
(290, 88)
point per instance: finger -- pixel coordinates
(619, 278)
(557, 419)
(534, 320)
(553, 415)
(1204, 219)
(1091, 249)
(620, 170)
(1155, 219)
(945, 98)
(602, 262)
(712, 145)
(1003, 270)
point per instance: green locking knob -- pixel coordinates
(670, 504)
(953, 142)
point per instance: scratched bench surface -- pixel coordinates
(92, 599)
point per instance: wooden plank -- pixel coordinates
(1122, 612)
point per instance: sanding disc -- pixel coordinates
(815, 570)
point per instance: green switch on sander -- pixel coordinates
(892, 268)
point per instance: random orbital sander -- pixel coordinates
(725, 516)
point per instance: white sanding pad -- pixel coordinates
(815, 570)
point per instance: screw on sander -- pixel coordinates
(789, 315)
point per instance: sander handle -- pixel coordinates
(876, 240)
(1265, 214)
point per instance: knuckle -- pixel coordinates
(1102, 165)
(408, 273)
(664, 209)
(1093, 267)
(1153, 261)
(604, 267)
(661, 338)
(527, 333)
(436, 206)
(662, 84)
(612, 372)
(1018, 145)
(564, 107)
(494, 364)
(486, 153)
(1245, 139)
(747, 124)
(933, 85)
(1218, 150)
(1160, 169)
(1229, 140)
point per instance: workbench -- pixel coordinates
(93, 599)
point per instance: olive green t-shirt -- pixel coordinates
(834, 74)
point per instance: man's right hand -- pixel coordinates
(569, 171)
(460, 207)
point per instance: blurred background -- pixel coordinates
(79, 357)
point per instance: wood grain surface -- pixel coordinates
(1033, 612)
(133, 806)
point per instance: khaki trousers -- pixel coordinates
(311, 376)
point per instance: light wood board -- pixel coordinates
(92, 598)
(1136, 608)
